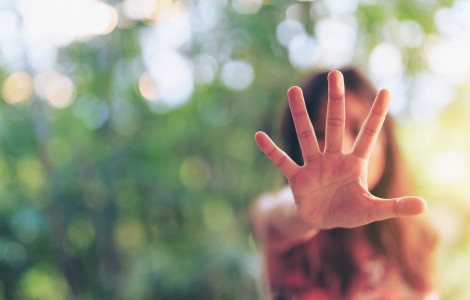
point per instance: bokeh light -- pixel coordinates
(44, 281)
(205, 15)
(129, 235)
(205, 69)
(287, 30)
(141, 9)
(81, 233)
(10, 46)
(218, 214)
(17, 88)
(385, 61)
(173, 31)
(27, 225)
(13, 253)
(167, 67)
(148, 87)
(31, 175)
(303, 51)
(61, 22)
(448, 58)
(194, 173)
(247, 6)
(295, 12)
(59, 90)
(338, 7)
(430, 94)
(411, 34)
(237, 74)
(93, 111)
(151, 11)
(336, 40)
(138, 169)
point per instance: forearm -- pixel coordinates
(277, 223)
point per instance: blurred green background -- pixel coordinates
(127, 158)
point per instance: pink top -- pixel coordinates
(377, 279)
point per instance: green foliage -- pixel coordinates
(108, 199)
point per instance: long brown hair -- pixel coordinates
(326, 262)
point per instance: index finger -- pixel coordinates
(287, 166)
(303, 125)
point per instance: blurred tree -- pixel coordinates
(127, 161)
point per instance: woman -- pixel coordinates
(325, 236)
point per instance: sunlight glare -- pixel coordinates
(449, 166)
(448, 58)
(336, 40)
(62, 22)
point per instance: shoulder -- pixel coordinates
(266, 203)
(269, 200)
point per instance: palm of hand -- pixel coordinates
(340, 183)
(330, 190)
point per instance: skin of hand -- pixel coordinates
(330, 190)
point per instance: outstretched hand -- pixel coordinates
(330, 189)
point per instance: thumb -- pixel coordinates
(398, 207)
(410, 206)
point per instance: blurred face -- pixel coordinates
(356, 112)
